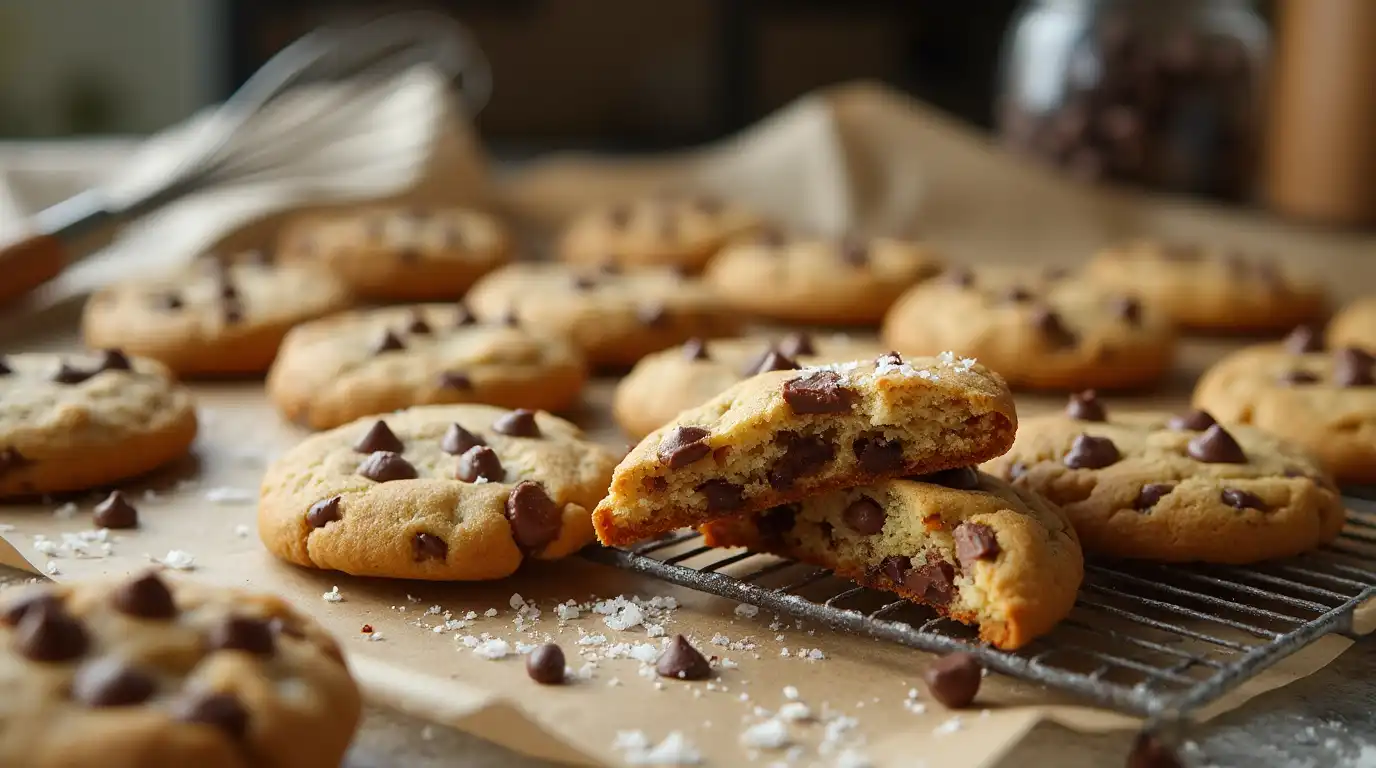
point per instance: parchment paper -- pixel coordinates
(858, 158)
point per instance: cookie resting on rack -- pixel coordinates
(789, 433)
(967, 544)
(149, 671)
(1180, 488)
(460, 492)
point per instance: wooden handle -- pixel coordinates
(28, 263)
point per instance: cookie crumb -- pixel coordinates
(493, 649)
(795, 711)
(770, 734)
(333, 596)
(747, 611)
(566, 611)
(66, 511)
(948, 727)
(177, 560)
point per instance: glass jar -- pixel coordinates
(1161, 93)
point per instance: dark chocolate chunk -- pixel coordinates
(418, 325)
(855, 252)
(1296, 377)
(959, 276)
(1085, 406)
(218, 710)
(933, 583)
(518, 423)
(457, 440)
(388, 343)
(795, 344)
(895, 567)
(110, 682)
(1128, 309)
(694, 349)
(510, 319)
(1150, 494)
(960, 478)
(146, 597)
(241, 633)
(820, 392)
(1194, 421)
(1053, 328)
(771, 238)
(13, 611)
(48, 633)
(545, 664)
(462, 316)
(323, 512)
(480, 463)
(684, 446)
(771, 360)
(114, 360)
(682, 661)
(1017, 294)
(974, 542)
(1304, 338)
(535, 518)
(1150, 752)
(228, 292)
(877, 455)
(233, 312)
(379, 437)
(774, 522)
(619, 216)
(70, 374)
(428, 546)
(1216, 446)
(609, 267)
(652, 315)
(865, 516)
(722, 495)
(167, 302)
(954, 680)
(803, 456)
(1353, 368)
(386, 466)
(1240, 499)
(455, 380)
(583, 283)
(1090, 452)
(115, 512)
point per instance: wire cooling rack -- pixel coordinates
(1152, 640)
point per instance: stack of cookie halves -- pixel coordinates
(866, 468)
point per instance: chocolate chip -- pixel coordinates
(1150, 752)
(1353, 368)
(386, 466)
(5, 368)
(535, 518)
(895, 567)
(462, 316)
(681, 661)
(889, 358)
(933, 583)
(722, 496)
(694, 349)
(820, 392)
(457, 440)
(771, 360)
(609, 267)
(1194, 421)
(240, 633)
(110, 682)
(323, 512)
(619, 216)
(11, 458)
(1297, 378)
(1056, 273)
(167, 302)
(796, 344)
(1085, 406)
(803, 456)
(583, 283)
(684, 446)
(233, 313)
(418, 325)
(960, 478)
(774, 522)
(954, 679)
(510, 319)
(975, 542)
(114, 360)
(1053, 328)
(652, 315)
(1240, 499)
(865, 516)
(115, 512)
(772, 238)
(1017, 294)
(68, 374)
(146, 597)
(480, 463)
(1127, 309)
(218, 710)
(228, 292)
(455, 380)
(1090, 452)
(959, 276)
(428, 546)
(878, 455)
(15, 610)
(1304, 338)
(379, 437)
(545, 664)
(1151, 494)
(855, 253)
(518, 423)
(1216, 446)
(48, 633)
(389, 342)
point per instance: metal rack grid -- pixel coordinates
(1152, 640)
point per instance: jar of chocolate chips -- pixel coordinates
(1161, 93)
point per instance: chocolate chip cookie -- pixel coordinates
(672, 230)
(788, 433)
(215, 317)
(1174, 488)
(667, 382)
(459, 492)
(1322, 400)
(72, 422)
(615, 317)
(397, 253)
(336, 369)
(969, 545)
(1210, 288)
(1355, 326)
(1039, 330)
(852, 281)
(154, 671)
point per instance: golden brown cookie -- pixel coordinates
(1355, 326)
(680, 231)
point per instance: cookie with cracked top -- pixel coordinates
(967, 544)
(681, 231)
(399, 252)
(615, 317)
(851, 281)
(1210, 288)
(69, 422)
(445, 493)
(1175, 487)
(1323, 400)
(1038, 329)
(151, 670)
(786, 434)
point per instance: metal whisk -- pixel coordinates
(336, 72)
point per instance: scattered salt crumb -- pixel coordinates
(770, 734)
(227, 495)
(720, 639)
(470, 616)
(654, 630)
(912, 693)
(333, 596)
(795, 711)
(791, 693)
(644, 652)
(66, 511)
(51, 568)
(783, 652)
(493, 649)
(950, 726)
(469, 641)
(585, 672)
(45, 547)
(566, 612)
(516, 601)
(629, 616)
(490, 612)
(850, 758)
(728, 663)
(434, 610)
(816, 655)
(747, 611)
(592, 640)
(525, 648)
(374, 637)
(242, 531)
(6, 528)
(427, 733)
(614, 682)
(745, 697)
(630, 740)
(177, 560)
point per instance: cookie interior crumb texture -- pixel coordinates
(783, 435)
